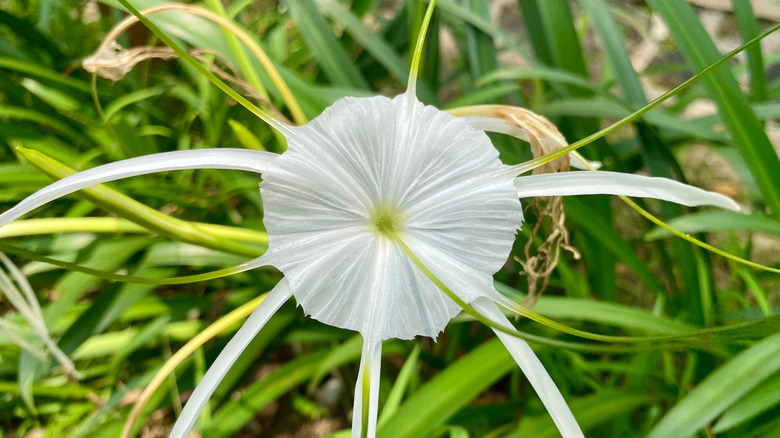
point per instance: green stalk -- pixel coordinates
(238, 51)
(32, 227)
(366, 398)
(411, 87)
(75, 267)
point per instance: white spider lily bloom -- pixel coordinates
(365, 175)
(368, 166)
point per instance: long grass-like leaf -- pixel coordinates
(721, 389)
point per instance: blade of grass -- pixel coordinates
(721, 389)
(238, 52)
(748, 29)
(235, 414)
(536, 162)
(218, 327)
(32, 227)
(43, 73)
(757, 401)
(400, 385)
(655, 153)
(334, 60)
(709, 221)
(375, 45)
(586, 217)
(481, 52)
(590, 411)
(451, 389)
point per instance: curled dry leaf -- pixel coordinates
(115, 62)
(540, 261)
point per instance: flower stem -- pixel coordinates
(32, 227)
(219, 273)
(411, 87)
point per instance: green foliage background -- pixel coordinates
(631, 279)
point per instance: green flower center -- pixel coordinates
(386, 221)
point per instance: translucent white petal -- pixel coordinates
(614, 183)
(227, 357)
(238, 159)
(501, 126)
(370, 361)
(533, 370)
(431, 174)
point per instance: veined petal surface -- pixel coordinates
(368, 166)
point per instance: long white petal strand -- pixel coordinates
(533, 370)
(227, 357)
(615, 183)
(236, 159)
(370, 361)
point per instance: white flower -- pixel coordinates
(359, 183)
(370, 166)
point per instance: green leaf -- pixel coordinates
(540, 73)
(448, 392)
(617, 55)
(614, 314)
(754, 403)
(709, 221)
(28, 115)
(375, 45)
(395, 397)
(454, 9)
(748, 29)
(120, 103)
(579, 212)
(589, 411)
(232, 416)
(43, 73)
(247, 139)
(335, 62)
(721, 389)
(50, 95)
(348, 351)
(128, 208)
